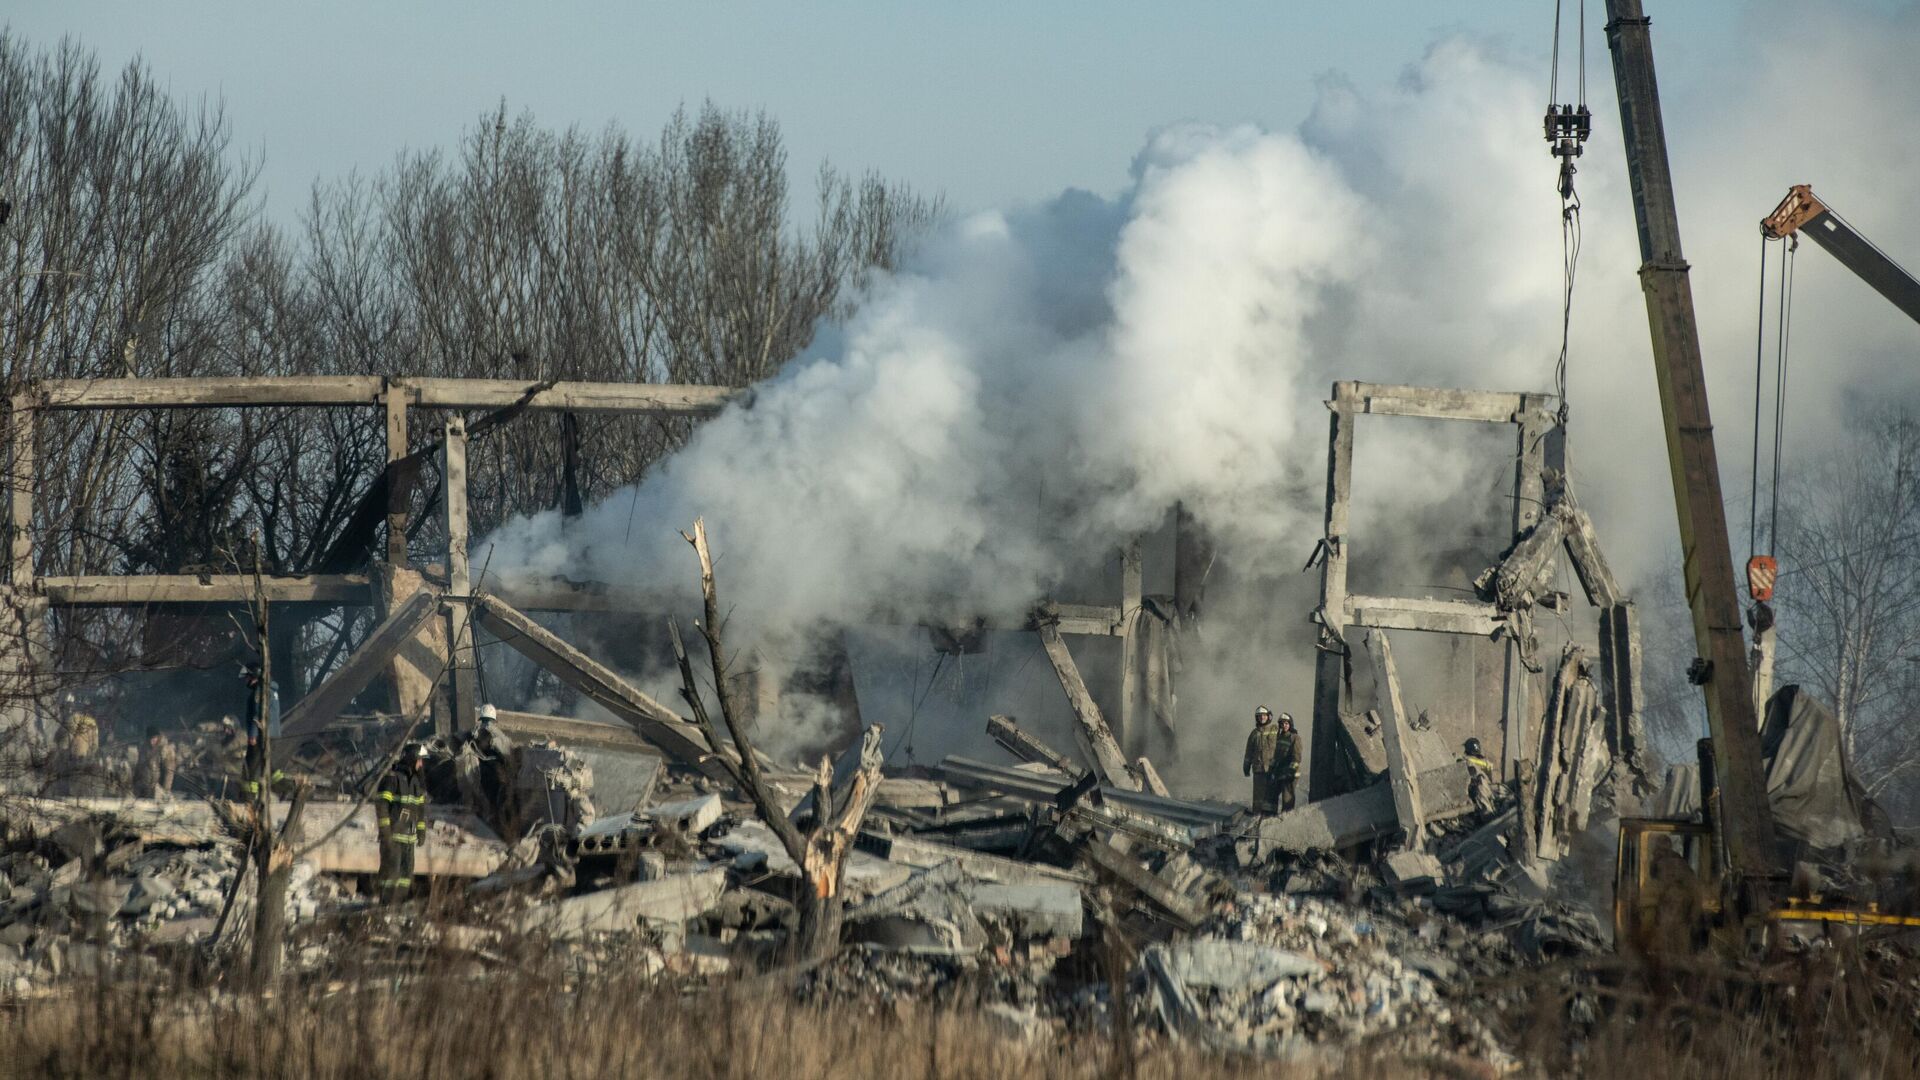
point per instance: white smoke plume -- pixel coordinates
(1043, 382)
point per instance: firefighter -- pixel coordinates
(1287, 769)
(257, 763)
(1272, 759)
(400, 808)
(154, 770)
(1480, 778)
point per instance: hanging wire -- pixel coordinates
(913, 717)
(1570, 264)
(1553, 77)
(1759, 366)
(1567, 127)
(1780, 384)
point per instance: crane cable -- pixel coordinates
(1782, 340)
(1567, 127)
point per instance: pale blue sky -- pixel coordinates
(990, 102)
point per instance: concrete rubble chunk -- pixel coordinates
(755, 849)
(671, 900)
(1412, 869)
(948, 911)
(690, 816)
(1354, 818)
(1210, 963)
(1029, 911)
(623, 780)
(913, 851)
(457, 844)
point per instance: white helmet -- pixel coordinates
(488, 712)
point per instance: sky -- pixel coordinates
(988, 102)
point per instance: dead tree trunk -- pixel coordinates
(274, 871)
(821, 853)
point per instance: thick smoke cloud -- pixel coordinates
(1042, 382)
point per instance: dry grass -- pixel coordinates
(447, 1028)
(1848, 1015)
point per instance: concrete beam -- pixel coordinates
(1395, 733)
(1385, 399)
(1026, 747)
(1330, 656)
(1096, 620)
(561, 729)
(1343, 821)
(1103, 752)
(654, 722)
(1425, 613)
(140, 590)
(669, 900)
(368, 390)
(20, 484)
(461, 660)
(322, 705)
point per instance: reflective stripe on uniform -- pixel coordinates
(387, 795)
(386, 821)
(391, 883)
(402, 838)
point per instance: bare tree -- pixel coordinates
(821, 852)
(521, 253)
(1849, 593)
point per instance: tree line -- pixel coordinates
(136, 247)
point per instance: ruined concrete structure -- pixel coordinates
(429, 613)
(1558, 752)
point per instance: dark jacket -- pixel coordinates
(400, 806)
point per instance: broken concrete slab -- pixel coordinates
(671, 900)
(623, 780)
(1218, 964)
(688, 816)
(1028, 785)
(457, 844)
(1354, 818)
(1121, 868)
(1413, 869)
(928, 913)
(154, 821)
(1050, 910)
(754, 847)
(947, 911)
(911, 851)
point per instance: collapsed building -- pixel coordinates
(1347, 915)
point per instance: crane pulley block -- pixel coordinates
(1567, 128)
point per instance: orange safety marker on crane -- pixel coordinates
(1762, 571)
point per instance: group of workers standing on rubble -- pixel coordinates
(1273, 761)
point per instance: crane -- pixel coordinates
(1742, 819)
(1734, 848)
(1803, 213)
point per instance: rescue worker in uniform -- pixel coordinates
(1272, 759)
(1480, 778)
(154, 770)
(257, 763)
(1288, 767)
(400, 808)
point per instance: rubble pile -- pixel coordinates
(1011, 890)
